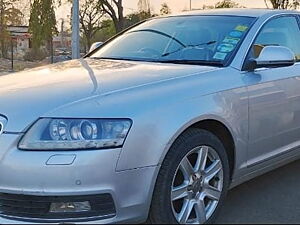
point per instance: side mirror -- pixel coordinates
(272, 57)
(95, 45)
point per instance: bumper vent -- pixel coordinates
(37, 208)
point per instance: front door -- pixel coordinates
(274, 95)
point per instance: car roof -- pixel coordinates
(237, 12)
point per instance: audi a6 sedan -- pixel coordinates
(154, 125)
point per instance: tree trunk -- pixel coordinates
(121, 16)
(88, 41)
(284, 4)
(119, 24)
(2, 29)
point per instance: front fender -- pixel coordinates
(154, 132)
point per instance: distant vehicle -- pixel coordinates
(156, 124)
(62, 55)
(61, 58)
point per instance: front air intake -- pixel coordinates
(38, 208)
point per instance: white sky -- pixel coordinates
(175, 5)
(179, 5)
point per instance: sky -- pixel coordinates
(179, 5)
(175, 5)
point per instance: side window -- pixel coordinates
(283, 31)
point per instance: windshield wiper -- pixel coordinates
(189, 46)
(160, 33)
(193, 62)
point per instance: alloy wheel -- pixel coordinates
(197, 186)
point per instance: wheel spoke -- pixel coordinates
(200, 212)
(186, 212)
(186, 167)
(179, 192)
(213, 170)
(212, 193)
(200, 186)
(202, 159)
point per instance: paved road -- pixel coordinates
(271, 198)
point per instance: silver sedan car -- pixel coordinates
(154, 125)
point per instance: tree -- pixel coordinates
(9, 15)
(205, 7)
(107, 30)
(165, 9)
(223, 4)
(42, 23)
(115, 9)
(283, 4)
(227, 4)
(137, 17)
(90, 19)
(144, 6)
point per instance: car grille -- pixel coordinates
(32, 208)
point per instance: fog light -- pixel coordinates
(70, 207)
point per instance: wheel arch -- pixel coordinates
(218, 128)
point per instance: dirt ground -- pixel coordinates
(19, 65)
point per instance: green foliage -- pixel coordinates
(42, 23)
(13, 16)
(34, 24)
(165, 9)
(107, 31)
(227, 4)
(208, 7)
(223, 4)
(48, 20)
(9, 15)
(137, 17)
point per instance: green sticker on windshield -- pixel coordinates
(241, 28)
(220, 55)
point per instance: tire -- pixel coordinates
(163, 209)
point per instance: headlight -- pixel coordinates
(76, 134)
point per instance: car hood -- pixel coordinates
(28, 95)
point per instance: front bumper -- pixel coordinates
(90, 173)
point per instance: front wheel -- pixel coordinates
(193, 180)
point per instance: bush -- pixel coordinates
(35, 55)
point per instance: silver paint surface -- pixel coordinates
(261, 109)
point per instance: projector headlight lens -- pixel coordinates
(76, 134)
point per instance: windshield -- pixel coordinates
(184, 39)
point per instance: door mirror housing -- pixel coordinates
(272, 57)
(95, 45)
